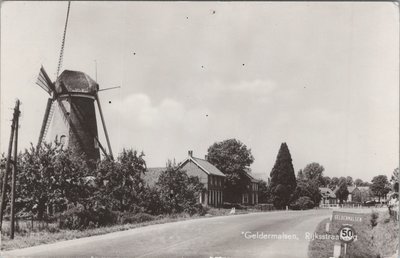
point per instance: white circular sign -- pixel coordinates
(347, 234)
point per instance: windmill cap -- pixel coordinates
(76, 82)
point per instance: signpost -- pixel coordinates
(336, 250)
(346, 233)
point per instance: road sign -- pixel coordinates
(347, 234)
(348, 217)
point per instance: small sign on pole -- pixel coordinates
(347, 234)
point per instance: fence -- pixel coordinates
(27, 225)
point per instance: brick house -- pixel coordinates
(212, 178)
(209, 175)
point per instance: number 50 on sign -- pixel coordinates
(347, 234)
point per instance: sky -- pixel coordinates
(322, 77)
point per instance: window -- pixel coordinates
(245, 198)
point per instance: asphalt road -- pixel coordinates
(228, 236)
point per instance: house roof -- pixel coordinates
(351, 188)
(152, 174)
(248, 174)
(327, 192)
(204, 165)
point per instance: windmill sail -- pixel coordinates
(104, 125)
(46, 121)
(44, 81)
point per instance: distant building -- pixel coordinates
(353, 193)
(212, 178)
(327, 196)
(208, 174)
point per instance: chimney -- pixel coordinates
(190, 153)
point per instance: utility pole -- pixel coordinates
(14, 172)
(14, 131)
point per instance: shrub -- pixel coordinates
(80, 218)
(195, 209)
(154, 204)
(374, 219)
(302, 203)
(177, 192)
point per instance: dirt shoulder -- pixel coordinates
(377, 236)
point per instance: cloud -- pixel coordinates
(162, 129)
(257, 87)
(224, 92)
(138, 110)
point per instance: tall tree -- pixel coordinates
(327, 181)
(342, 192)
(342, 180)
(334, 183)
(264, 192)
(380, 186)
(358, 182)
(349, 180)
(307, 188)
(283, 180)
(232, 158)
(314, 171)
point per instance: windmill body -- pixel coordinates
(77, 93)
(70, 114)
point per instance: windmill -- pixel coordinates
(70, 110)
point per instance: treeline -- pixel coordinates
(284, 189)
(54, 183)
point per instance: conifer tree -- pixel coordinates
(283, 179)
